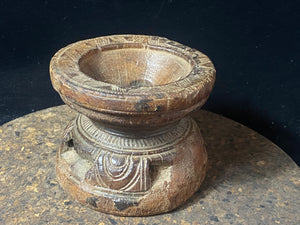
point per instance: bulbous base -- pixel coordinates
(131, 175)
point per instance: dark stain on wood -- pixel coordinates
(122, 205)
(142, 105)
(92, 201)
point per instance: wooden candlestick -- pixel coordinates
(132, 150)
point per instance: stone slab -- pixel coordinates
(249, 180)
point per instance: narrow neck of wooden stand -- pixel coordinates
(134, 131)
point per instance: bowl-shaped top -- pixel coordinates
(132, 67)
(132, 75)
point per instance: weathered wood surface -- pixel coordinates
(133, 150)
(153, 79)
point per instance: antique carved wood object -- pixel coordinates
(132, 150)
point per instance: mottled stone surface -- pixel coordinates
(249, 179)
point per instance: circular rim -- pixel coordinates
(81, 90)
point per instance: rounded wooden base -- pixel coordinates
(163, 186)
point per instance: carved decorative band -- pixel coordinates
(131, 146)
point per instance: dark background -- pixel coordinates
(253, 44)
